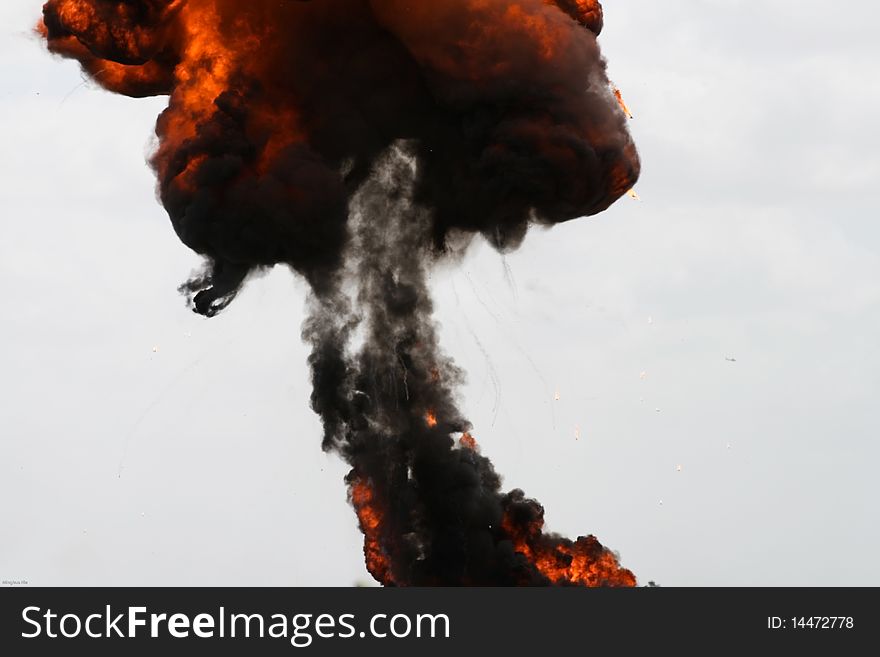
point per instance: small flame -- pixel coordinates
(619, 96)
(431, 419)
(632, 194)
(468, 441)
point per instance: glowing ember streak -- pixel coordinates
(619, 96)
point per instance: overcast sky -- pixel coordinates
(141, 444)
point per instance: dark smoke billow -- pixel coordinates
(354, 141)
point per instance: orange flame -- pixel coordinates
(468, 441)
(584, 562)
(431, 419)
(619, 96)
(212, 48)
(370, 517)
(587, 12)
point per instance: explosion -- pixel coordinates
(358, 142)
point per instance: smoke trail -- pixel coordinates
(353, 141)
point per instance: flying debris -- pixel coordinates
(556, 396)
(360, 144)
(730, 360)
(632, 194)
(678, 468)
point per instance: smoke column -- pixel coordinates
(358, 142)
